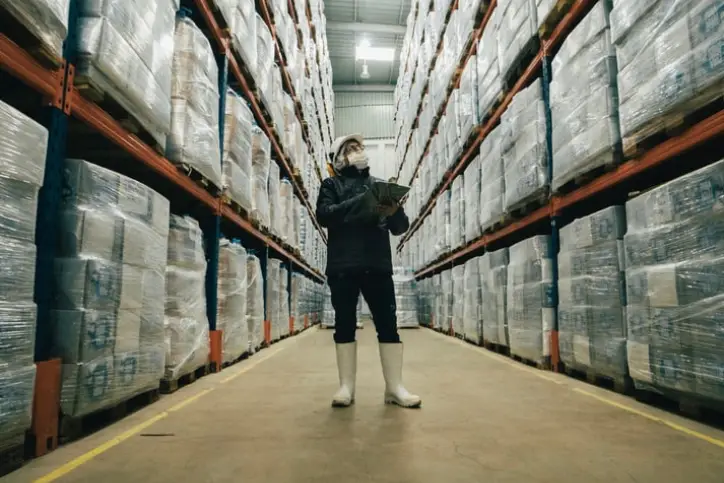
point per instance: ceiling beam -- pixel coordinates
(366, 28)
(363, 88)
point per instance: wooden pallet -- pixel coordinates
(23, 37)
(497, 101)
(690, 405)
(74, 428)
(526, 207)
(497, 348)
(583, 179)
(559, 10)
(674, 122)
(236, 207)
(544, 364)
(242, 357)
(521, 63)
(199, 179)
(169, 386)
(89, 89)
(500, 222)
(13, 456)
(621, 385)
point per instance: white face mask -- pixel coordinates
(358, 160)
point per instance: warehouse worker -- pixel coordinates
(359, 260)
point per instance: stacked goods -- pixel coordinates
(458, 299)
(264, 61)
(405, 297)
(260, 164)
(186, 325)
(448, 302)
(254, 302)
(472, 326)
(674, 259)
(110, 270)
(457, 213)
(472, 200)
(451, 131)
(327, 309)
(194, 139)
(518, 30)
(283, 301)
(226, 8)
(237, 164)
(592, 329)
(531, 299)
(47, 20)
(493, 296)
(468, 100)
(232, 293)
(23, 146)
(584, 100)
(490, 85)
(125, 51)
(243, 34)
(524, 148)
(273, 298)
(438, 302)
(286, 211)
(492, 181)
(675, 71)
(295, 291)
(275, 201)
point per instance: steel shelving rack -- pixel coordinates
(64, 111)
(583, 200)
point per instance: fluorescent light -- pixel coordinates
(375, 53)
(365, 43)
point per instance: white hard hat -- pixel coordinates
(341, 141)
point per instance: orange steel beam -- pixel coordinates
(20, 64)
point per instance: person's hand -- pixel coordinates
(387, 208)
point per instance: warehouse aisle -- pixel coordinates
(485, 418)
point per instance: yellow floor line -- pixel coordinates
(98, 450)
(651, 417)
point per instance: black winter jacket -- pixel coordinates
(358, 240)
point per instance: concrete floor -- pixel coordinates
(485, 418)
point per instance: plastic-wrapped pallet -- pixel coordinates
(524, 149)
(453, 137)
(286, 211)
(237, 165)
(47, 20)
(674, 259)
(490, 83)
(328, 310)
(472, 323)
(584, 100)
(492, 181)
(187, 328)
(591, 307)
(275, 201)
(254, 302)
(673, 72)
(457, 213)
(273, 299)
(125, 51)
(405, 297)
(296, 290)
(108, 316)
(232, 293)
(260, 163)
(226, 8)
(518, 30)
(243, 34)
(493, 271)
(531, 300)
(23, 147)
(194, 139)
(448, 300)
(468, 100)
(284, 301)
(471, 201)
(458, 288)
(264, 60)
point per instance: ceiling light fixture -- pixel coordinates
(383, 54)
(365, 71)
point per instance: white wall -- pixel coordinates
(368, 113)
(382, 158)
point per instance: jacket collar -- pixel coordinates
(352, 172)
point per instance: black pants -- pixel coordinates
(379, 292)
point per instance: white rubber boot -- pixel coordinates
(347, 368)
(395, 392)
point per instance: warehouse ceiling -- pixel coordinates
(381, 22)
